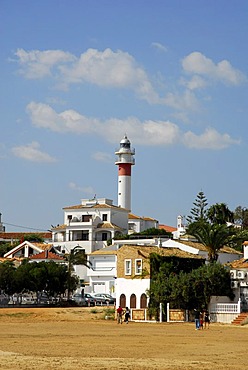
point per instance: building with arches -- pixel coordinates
(134, 274)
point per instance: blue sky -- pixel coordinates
(77, 75)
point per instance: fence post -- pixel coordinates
(160, 312)
(168, 312)
(239, 305)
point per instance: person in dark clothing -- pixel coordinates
(127, 315)
(197, 319)
(206, 319)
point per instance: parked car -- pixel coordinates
(79, 300)
(107, 298)
(91, 301)
(100, 301)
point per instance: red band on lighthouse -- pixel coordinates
(124, 169)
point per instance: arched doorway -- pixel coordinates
(143, 301)
(133, 301)
(122, 300)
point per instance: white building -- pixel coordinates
(102, 275)
(90, 225)
(137, 224)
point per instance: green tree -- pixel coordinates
(56, 279)
(5, 247)
(32, 277)
(191, 289)
(219, 213)
(198, 212)
(241, 216)
(76, 256)
(7, 278)
(164, 277)
(212, 236)
(207, 281)
(35, 238)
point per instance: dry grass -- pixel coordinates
(79, 338)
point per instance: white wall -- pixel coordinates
(131, 286)
(245, 251)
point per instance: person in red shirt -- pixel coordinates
(119, 315)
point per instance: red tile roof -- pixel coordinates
(167, 228)
(46, 255)
(17, 235)
(242, 263)
(132, 216)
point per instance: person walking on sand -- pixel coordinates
(197, 319)
(201, 320)
(206, 319)
(119, 315)
(127, 315)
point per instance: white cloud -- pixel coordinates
(197, 63)
(148, 132)
(110, 69)
(86, 189)
(196, 82)
(159, 46)
(31, 152)
(38, 64)
(210, 139)
(102, 157)
(102, 68)
(184, 102)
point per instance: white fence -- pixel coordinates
(226, 307)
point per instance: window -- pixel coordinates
(104, 236)
(105, 217)
(85, 235)
(133, 301)
(128, 267)
(86, 218)
(143, 301)
(138, 267)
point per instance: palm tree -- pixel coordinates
(76, 256)
(212, 236)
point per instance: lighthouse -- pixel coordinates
(124, 161)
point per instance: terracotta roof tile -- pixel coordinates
(45, 256)
(201, 247)
(132, 216)
(103, 251)
(43, 246)
(108, 225)
(167, 228)
(17, 235)
(167, 252)
(81, 206)
(242, 263)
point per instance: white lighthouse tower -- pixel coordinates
(125, 161)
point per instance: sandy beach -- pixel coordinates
(80, 338)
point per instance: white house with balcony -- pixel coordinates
(89, 226)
